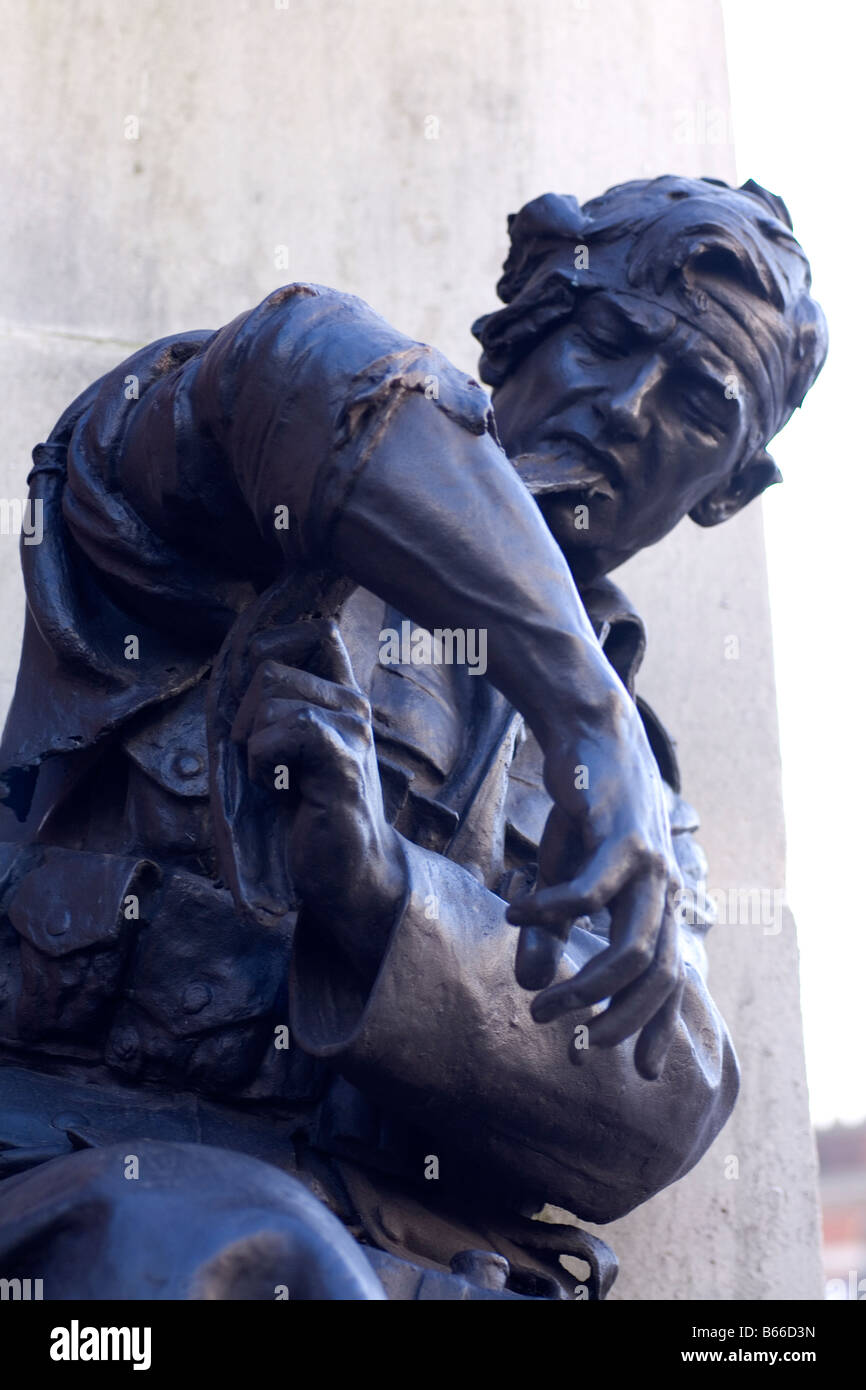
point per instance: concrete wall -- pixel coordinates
(166, 165)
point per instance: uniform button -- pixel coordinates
(187, 765)
(60, 926)
(195, 997)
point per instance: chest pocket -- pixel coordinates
(76, 915)
(203, 991)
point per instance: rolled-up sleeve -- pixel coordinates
(299, 392)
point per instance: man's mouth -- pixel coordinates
(568, 463)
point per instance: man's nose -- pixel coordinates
(624, 410)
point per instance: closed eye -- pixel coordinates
(703, 404)
(606, 331)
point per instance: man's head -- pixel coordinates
(652, 344)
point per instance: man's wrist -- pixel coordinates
(598, 707)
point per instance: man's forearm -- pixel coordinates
(440, 525)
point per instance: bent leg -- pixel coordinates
(153, 1220)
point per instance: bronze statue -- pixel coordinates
(324, 691)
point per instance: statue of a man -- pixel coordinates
(322, 677)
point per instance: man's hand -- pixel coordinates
(607, 844)
(344, 857)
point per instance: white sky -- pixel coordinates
(797, 95)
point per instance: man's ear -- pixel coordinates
(741, 487)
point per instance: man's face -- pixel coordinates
(634, 413)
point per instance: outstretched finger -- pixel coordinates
(638, 912)
(634, 1006)
(655, 1040)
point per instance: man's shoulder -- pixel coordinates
(302, 320)
(307, 315)
(309, 337)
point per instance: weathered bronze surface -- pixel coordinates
(342, 868)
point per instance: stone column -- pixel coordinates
(165, 165)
